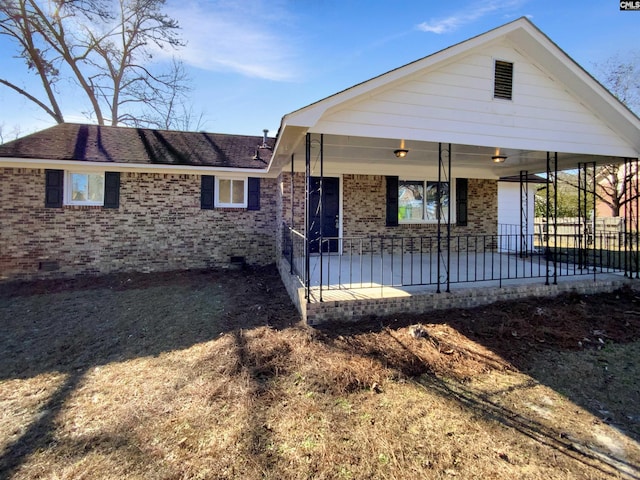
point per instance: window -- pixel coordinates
(231, 193)
(85, 188)
(503, 80)
(76, 188)
(418, 201)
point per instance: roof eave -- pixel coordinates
(15, 162)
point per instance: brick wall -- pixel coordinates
(159, 226)
(298, 199)
(364, 209)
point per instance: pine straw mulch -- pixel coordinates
(209, 374)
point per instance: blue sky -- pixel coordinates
(253, 61)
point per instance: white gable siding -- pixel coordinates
(455, 104)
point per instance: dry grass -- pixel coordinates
(209, 375)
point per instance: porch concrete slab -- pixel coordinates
(349, 294)
(376, 272)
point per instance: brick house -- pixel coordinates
(87, 199)
(366, 188)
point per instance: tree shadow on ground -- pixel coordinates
(574, 344)
(70, 326)
(78, 326)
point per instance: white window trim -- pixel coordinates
(216, 199)
(452, 203)
(68, 188)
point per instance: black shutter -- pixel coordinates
(54, 188)
(206, 192)
(253, 200)
(111, 189)
(461, 201)
(392, 201)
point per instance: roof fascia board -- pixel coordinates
(14, 162)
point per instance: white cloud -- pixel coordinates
(473, 12)
(242, 37)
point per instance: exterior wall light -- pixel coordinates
(401, 152)
(498, 158)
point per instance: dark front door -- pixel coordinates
(324, 214)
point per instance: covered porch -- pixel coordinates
(388, 190)
(405, 275)
(459, 259)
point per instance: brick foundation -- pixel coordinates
(317, 313)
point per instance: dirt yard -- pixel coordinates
(210, 375)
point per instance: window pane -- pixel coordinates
(238, 191)
(87, 188)
(410, 200)
(79, 187)
(224, 191)
(432, 201)
(96, 187)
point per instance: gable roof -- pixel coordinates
(364, 109)
(140, 146)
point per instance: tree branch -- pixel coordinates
(56, 117)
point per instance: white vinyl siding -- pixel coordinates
(455, 104)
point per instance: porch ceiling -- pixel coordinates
(349, 154)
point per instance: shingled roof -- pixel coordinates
(96, 143)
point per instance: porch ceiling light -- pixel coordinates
(499, 158)
(401, 152)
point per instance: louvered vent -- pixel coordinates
(503, 83)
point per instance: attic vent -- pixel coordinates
(503, 82)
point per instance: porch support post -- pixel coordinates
(631, 223)
(307, 223)
(524, 213)
(582, 216)
(444, 170)
(438, 234)
(552, 182)
(449, 206)
(321, 209)
(595, 238)
(292, 192)
(555, 218)
(626, 228)
(546, 220)
(636, 223)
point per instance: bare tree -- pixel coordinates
(107, 48)
(614, 186)
(621, 75)
(14, 133)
